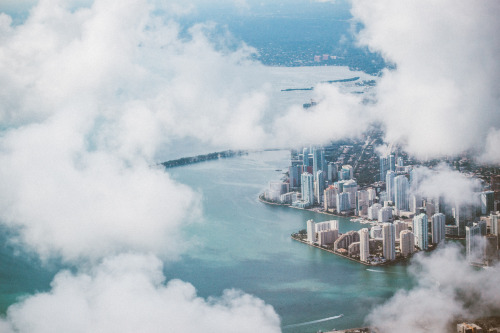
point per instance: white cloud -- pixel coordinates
(442, 99)
(447, 288)
(127, 294)
(441, 181)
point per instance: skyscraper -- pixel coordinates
(319, 186)
(487, 200)
(351, 187)
(421, 231)
(311, 231)
(305, 157)
(389, 241)
(384, 167)
(392, 162)
(401, 188)
(389, 185)
(343, 203)
(332, 172)
(438, 227)
(318, 159)
(495, 224)
(406, 242)
(364, 239)
(473, 243)
(307, 190)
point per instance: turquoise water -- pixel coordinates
(242, 243)
(247, 245)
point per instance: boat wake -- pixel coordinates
(314, 321)
(374, 270)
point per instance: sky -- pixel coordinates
(94, 95)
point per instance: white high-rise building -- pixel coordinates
(438, 227)
(351, 187)
(389, 241)
(327, 237)
(473, 243)
(343, 203)
(311, 231)
(401, 189)
(389, 185)
(373, 211)
(376, 232)
(406, 242)
(307, 188)
(400, 226)
(330, 198)
(372, 194)
(319, 186)
(385, 214)
(421, 231)
(364, 239)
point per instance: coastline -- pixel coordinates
(352, 259)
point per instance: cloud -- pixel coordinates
(442, 181)
(447, 289)
(127, 294)
(442, 98)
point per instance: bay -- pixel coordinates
(245, 244)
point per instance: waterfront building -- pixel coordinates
(364, 244)
(389, 185)
(327, 237)
(326, 225)
(376, 232)
(487, 200)
(389, 241)
(276, 189)
(307, 188)
(330, 198)
(362, 203)
(311, 231)
(406, 242)
(385, 214)
(473, 243)
(373, 211)
(345, 240)
(319, 186)
(401, 189)
(421, 231)
(438, 231)
(289, 197)
(353, 249)
(343, 202)
(351, 187)
(400, 226)
(293, 176)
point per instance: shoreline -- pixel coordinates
(387, 263)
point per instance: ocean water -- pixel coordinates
(244, 244)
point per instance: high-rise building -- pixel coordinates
(305, 157)
(385, 214)
(373, 211)
(343, 202)
(421, 231)
(473, 243)
(487, 200)
(351, 187)
(389, 185)
(327, 237)
(384, 167)
(376, 232)
(364, 239)
(307, 188)
(362, 203)
(401, 188)
(406, 242)
(311, 231)
(400, 226)
(392, 162)
(389, 241)
(332, 172)
(318, 159)
(400, 161)
(372, 195)
(495, 225)
(438, 227)
(293, 175)
(347, 172)
(319, 186)
(330, 198)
